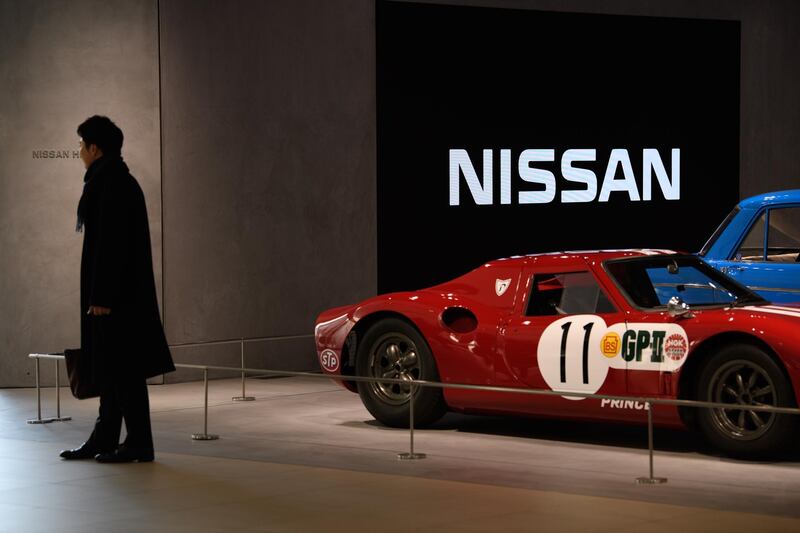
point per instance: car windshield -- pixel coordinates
(707, 246)
(649, 282)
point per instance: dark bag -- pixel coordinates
(79, 369)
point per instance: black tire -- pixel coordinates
(393, 348)
(743, 374)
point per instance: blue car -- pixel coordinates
(758, 244)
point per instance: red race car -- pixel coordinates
(639, 323)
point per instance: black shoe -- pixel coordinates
(123, 454)
(84, 451)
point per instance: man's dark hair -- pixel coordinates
(102, 132)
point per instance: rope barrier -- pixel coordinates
(412, 455)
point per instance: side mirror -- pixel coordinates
(672, 268)
(678, 308)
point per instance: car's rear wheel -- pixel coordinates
(744, 375)
(394, 349)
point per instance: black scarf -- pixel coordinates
(92, 181)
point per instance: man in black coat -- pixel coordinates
(121, 329)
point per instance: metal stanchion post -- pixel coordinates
(58, 417)
(39, 419)
(411, 455)
(204, 435)
(244, 397)
(58, 393)
(650, 480)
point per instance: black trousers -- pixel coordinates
(123, 398)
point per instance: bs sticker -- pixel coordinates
(609, 345)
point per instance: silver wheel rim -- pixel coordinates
(742, 383)
(394, 356)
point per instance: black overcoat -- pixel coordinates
(117, 272)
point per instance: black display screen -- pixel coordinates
(505, 132)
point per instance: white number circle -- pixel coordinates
(569, 355)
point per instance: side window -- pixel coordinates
(783, 235)
(752, 247)
(690, 284)
(572, 293)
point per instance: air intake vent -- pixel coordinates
(459, 319)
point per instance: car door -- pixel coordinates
(554, 340)
(767, 260)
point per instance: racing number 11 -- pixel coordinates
(588, 330)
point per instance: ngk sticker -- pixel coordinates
(676, 347)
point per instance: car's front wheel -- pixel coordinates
(744, 375)
(394, 349)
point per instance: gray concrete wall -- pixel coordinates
(269, 172)
(60, 62)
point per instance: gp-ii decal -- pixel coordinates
(575, 353)
(645, 346)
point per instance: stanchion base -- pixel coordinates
(650, 480)
(243, 398)
(41, 420)
(204, 436)
(410, 456)
(62, 419)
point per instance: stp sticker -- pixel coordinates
(501, 286)
(329, 360)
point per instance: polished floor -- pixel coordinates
(306, 456)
